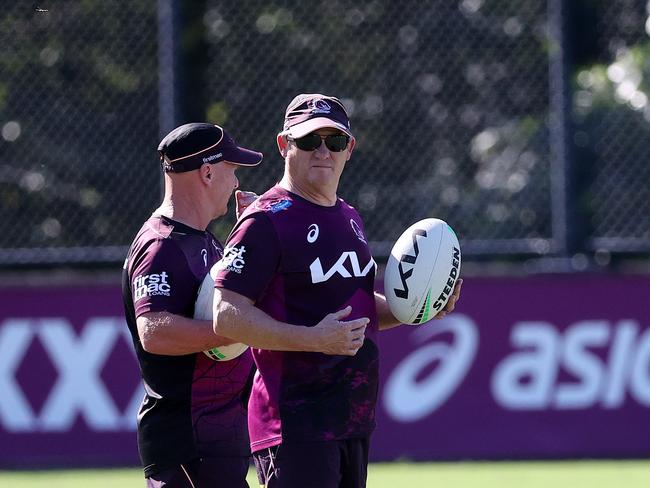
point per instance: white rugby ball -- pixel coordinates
(203, 311)
(422, 270)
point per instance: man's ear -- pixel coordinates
(206, 173)
(282, 144)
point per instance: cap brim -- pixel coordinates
(241, 156)
(304, 128)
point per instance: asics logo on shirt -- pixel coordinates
(151, 285)
(204, 253)
(312, 235)
(341, 267)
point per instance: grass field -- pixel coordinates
(587, 474)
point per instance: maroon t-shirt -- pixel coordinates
(193, 406)
(300, 261)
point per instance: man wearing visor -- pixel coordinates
(296, 254)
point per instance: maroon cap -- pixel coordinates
(311, 111)
(191, 145)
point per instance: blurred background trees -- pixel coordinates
(450, 102)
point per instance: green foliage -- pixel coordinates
(449, 102)
(611, 112)
(422, 84)
(78, 109)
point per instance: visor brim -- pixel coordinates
(242, 156)
(308, 126)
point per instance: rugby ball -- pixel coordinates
(422, 270)
(203, 311)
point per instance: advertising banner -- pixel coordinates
(538, 368)
(69, 381)
(525, 368)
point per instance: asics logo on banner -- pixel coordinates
(233, 259)
(428, 376)
(312, 235)
(607, 362)
(151, 285)
(318, 275)
(357, 231)
(319, 107)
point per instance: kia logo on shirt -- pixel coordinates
(318, 275)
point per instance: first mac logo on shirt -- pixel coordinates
(233, 259)
(150, 285)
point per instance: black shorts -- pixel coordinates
(332, 464)
(204, 473)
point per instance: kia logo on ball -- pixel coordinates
(407, 258)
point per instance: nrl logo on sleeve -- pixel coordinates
(151, 285)
(233, 259)
(279, 206)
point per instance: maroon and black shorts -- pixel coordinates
(331, 464)
(204, 473)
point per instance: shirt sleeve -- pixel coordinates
(162, 281)
(251, 257)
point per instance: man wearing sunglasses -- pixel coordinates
(297, 253)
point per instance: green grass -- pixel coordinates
(569, 474)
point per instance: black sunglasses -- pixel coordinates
(312, 141)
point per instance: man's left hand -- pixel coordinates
(451, 304)
(243, 200)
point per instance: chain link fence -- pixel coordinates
(613, 128)
(449, 101)
(79, 127)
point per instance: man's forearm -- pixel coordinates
(175, 335)
(235, 316)
(250, 325)
(384, 315)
